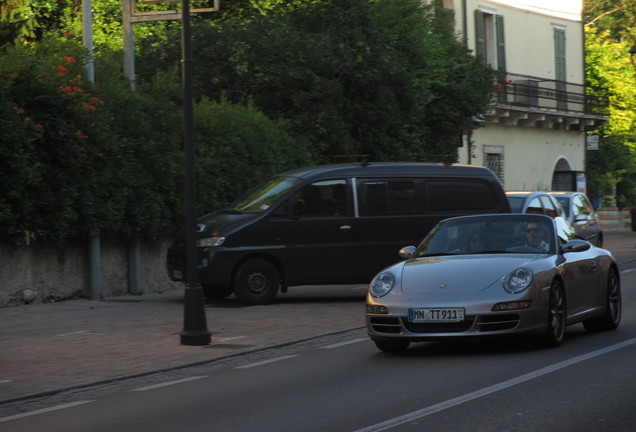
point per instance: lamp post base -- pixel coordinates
(195, 329)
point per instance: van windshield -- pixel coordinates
(260, 198)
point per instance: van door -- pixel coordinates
(389, 219)
(319, 241)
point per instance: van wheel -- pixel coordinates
(256, 282)
(216, 293)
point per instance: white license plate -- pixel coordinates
(436, 314)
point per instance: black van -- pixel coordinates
(333, 224)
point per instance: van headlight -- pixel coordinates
(382, 284)
(210, 241)
(517, 280)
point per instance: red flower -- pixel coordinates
(70, 59)
(81, 134)
(61, 70)
(39, 127)
(88, 106)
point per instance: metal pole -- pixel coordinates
(195, 331)
(129, 43)
(95, 271)
(94, 256)
(87, 38)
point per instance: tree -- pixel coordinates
(610, 33)
(386, 78)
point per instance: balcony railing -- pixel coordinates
(551, 95)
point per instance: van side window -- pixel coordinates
(380, 197)
(461, 196)
(323, 198)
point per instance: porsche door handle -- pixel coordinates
(345, 228)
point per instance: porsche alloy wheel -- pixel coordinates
(555, 331)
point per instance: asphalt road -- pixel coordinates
(343, 383)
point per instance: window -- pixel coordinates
(564, 181)
(460, 196)
(581, 205)
(324, 198)
(535, 206)
(490, 40)
(559, 68)
(493, 155)
(380, 197)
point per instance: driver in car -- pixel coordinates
(535, 237)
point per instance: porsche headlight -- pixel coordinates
(517, 280)
(382, 284)
(210, 241)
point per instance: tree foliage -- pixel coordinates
(278, 84)
(610, 33)
(385, 78)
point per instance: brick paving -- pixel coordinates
(44, 347)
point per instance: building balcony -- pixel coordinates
(524, 100)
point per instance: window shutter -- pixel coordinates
(501, 44)
(480, 36)
(559, 68)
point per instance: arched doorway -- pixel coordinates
(563, 178)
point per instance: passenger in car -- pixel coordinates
(475, 243)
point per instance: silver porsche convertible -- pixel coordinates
(493, 275)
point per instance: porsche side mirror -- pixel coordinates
(576, 246)
(406, 252)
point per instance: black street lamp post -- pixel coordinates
(195, 330)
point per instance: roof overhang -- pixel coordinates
(509, 115)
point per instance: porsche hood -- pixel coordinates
(457, 274)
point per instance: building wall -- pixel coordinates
(530, 155)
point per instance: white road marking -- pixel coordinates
(74, 333)
(627, 271)
(44, 410)
(225, 339)
(168, 383)
(260, 363)
(339, 344)
(415, 415)
(5, 381)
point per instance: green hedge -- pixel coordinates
(76, 159)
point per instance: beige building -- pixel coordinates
(534, 136)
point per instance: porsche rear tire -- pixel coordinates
(613, 306)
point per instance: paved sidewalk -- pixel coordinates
(44, 347)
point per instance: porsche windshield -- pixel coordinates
(259, 199)
(488, 235)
